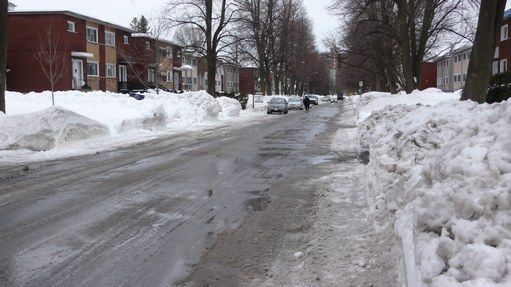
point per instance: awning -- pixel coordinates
(184, 68)
(82, 54)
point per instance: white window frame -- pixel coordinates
(110, 75)
(147, 45)
(126, 39)
(495, 68)
(73, 25)
(113, 38)
(497, 52)
(151, 77)
(87, 34)
(97, 68)
(504, 32)
(503, 66)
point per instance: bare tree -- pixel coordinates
(4, 6)
(479, 68)
(51, 60)
(213, 19)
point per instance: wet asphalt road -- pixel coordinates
(202, 209)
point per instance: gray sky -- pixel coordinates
(122, 11)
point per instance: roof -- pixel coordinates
(72, 14)
(145, 35)
(452, 53)
(507, 14)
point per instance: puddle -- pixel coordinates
(363, 157)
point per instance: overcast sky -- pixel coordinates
(122, 11)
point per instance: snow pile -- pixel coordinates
(47, 129)
(446, 171)
(123, 114)
(373, 101)
(231, 108)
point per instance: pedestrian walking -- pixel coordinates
(307, 103)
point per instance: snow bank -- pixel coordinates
(46, 129)
(446, 170)
(230, 107)
(123, 116)
(373, 101)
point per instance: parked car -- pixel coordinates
(340, 96)
(333, 99)
(295, 103)
(326, 99)
(277, 105)
(314, 100)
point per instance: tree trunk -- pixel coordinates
(211, 59)
(479, 68)
(404, 37)
(3, 51)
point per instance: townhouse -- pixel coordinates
(502, 54)
(195, 75)
(452, 69)
(96, 55)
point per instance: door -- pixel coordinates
(123, 73)
(77, 68)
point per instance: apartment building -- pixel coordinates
(452, 69)
(231, 81)
(96, 55)
(502, 54)
(249, 80)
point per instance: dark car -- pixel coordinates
(340, 96)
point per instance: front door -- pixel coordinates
(123, 73)
(77, 68)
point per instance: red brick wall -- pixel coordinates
(428, 76)
(25, 31)
(505, 46)
(248, 78)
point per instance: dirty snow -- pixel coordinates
(445, 170)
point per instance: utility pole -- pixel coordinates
(4, 38)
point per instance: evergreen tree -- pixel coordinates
(143, 25)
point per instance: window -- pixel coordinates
(150, 75)
(148, 45)
(503, 32)
(126, 39)
(71, 27)
(168, 52)
(496, 55)
(455, 58)
(195, 81)
(503, 66)
(495, 68)
(169, 76)
(92, 69)
(189, 80)
(464, 56)
(194, 62)
(464, 77)
(92, 34)
(110, 39)
(110, 71)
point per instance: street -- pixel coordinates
(212, 208)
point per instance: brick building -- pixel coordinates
(249, 80)
(502, 54)
(428, 76)
(98, 54)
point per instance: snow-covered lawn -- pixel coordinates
(33, 129)
(445, 170)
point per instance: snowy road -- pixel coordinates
(216, 207)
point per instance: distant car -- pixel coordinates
(277, 105)
(295, 103)
(314, 100)
(326, 99)
(340, 96)
(333, 99)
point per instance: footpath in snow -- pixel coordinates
(82, 123)
(443, 167)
